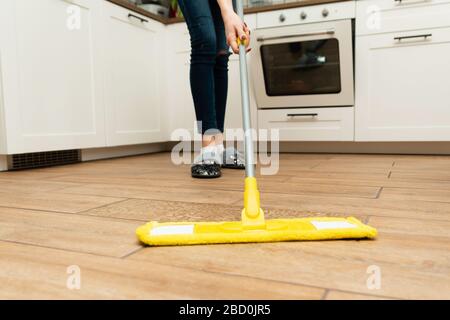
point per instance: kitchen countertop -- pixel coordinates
(248, 10)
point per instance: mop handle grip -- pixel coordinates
(241, 42)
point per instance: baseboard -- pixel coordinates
(438, 148)
(430, 148)
(122, 151)
(3, 163)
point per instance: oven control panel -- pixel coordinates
(307, 14)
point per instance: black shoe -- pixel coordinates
(206, 170)
(233, 159)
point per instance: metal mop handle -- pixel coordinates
(248, 139)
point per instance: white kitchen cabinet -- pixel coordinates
(133, 69)
(382, 16)
(179, 107)
(309, 124)
(402, 91)
(52, 97)
(233, 117)
(3, 148)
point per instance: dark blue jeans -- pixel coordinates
(209, 63)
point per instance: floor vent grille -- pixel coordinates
(44, 159)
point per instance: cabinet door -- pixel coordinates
(233, 117)
(133, 64)
(402, 91)
(51, 84)
(180, 103)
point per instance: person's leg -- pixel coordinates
(231, 158)
(200, 22)
(199, 19)
(220, 71)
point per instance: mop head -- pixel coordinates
(194, 233)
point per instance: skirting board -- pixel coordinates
(3, 163)
(437, 148)
(122, 151)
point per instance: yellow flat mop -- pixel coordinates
(253, 227)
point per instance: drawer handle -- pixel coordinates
(400, 2)
(306, 34)
(302, 115)
(130, 15)
(424, 36)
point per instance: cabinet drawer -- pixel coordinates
(381, 16)
(130, 17)
(310, 124)
(279, 18)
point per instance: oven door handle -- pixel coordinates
(314, 33)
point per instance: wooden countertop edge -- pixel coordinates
(132, 7)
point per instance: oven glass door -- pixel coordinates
(301, 67)
(307, 65)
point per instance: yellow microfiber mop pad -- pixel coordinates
(253, 227)
(185, 233)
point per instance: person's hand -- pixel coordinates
(235, 28)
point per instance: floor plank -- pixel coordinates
(265, 184)
(166, 211)
(54, 201)
(358, 206)
(298, 263)
(419, 174)
(200, 195)
(69, 232)
(28, 272)
(341, 295)
(24, 185)
(438, 195)
(162, 179)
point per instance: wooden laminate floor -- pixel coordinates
(79, 220)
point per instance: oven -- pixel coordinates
(304, 65)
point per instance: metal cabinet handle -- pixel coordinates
(302, 114)
(306, 34)
(282, 18)
(424, 36)
(400, 2)
(130, 15)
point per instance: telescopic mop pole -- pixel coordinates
(248, 139)
(252, 214)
